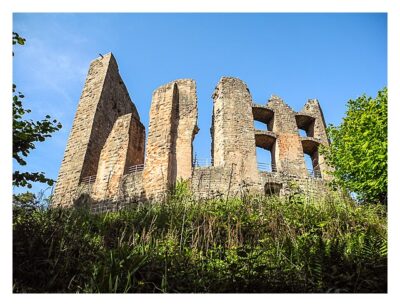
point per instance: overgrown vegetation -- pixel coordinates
(253, 244)
(358, 151)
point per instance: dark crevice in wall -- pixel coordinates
(172, 173)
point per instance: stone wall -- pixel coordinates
(187, 127)
(288, 150)
(291, 184)
(233, 140)
(103, 100)
(210, 182)
(216, 182)
(114, 102)
(130, 192)
(107, 139)
(172, 127)
(132, 187)
(160, 165)
(124, 147)
(318, 131)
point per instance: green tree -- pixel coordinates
(358, 151)
(26, 132)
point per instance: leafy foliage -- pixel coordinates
(16, 39)
(255, 244)
(25, 198)
(26, 132)
(359, 148)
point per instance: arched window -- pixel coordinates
(305, 124)
(263, 117)
(265, 141)
(311, 157)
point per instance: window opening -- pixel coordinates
(258, 125)
(312, 164)
(302, 133)
(265, 160)
(272, 189)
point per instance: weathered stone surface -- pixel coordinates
(160, 154)
(288, 152)
(103, 100)
(318, 131)
(124, 147)
(173, 125)
(107, 138)
(187, 127)
(233, 139)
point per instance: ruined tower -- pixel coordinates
(172, 127)
(105, 161)
(232, 131)
(287, 150)
(95, 139)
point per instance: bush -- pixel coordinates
(358, 151)
(257, 244)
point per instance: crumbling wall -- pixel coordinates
(187, 127)
(124, 147)
(218, 182)
(114, 102)
(290, 185)
(313, 109)
(103, 100)
(289, 156)
(160, 154)
(233, 140)
(136, 146)
(132, 187)
(173, 124)
(131, 192)
(107, 138)
(209, 182)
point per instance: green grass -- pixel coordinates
(253, 244)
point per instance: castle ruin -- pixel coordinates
(108, 162)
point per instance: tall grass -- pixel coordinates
(253, 244)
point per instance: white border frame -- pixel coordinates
(392, 7)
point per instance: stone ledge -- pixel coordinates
(265, 139)
(310, 144)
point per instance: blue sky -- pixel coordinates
(332, 57)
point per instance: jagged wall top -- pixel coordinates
(107, 138)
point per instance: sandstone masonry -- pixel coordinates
(107, 164)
